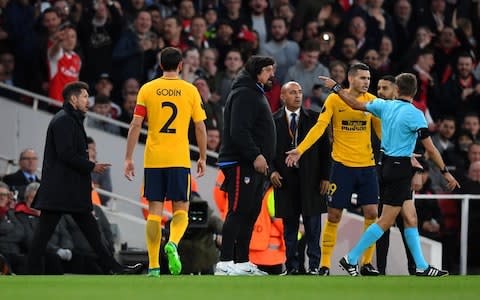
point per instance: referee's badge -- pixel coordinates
(246, 180)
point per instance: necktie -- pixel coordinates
(31, 179)
(293, 123)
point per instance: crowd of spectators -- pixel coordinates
(114, 46)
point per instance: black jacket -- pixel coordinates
(300, 191)
(248, 128)
(66, 183)
(60, 238)
(17, 182)
(12, 234)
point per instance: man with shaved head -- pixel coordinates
(299, 189)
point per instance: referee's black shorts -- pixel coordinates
(244, 187)
(395, 180)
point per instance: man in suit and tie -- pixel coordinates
(28, 162)
(299, 189)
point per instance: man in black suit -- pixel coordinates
(66, 183)
(19, 180)
(299, 189)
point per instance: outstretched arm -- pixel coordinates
(346, 97)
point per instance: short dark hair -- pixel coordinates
(90, 140)
(471, 114)
(170, 57)
(407, 84)
(73, 88)
(425, 51)
(447, 118)
(102, 99)
(475, 143)
(67, 25)
(255, 63)
(50, 10)
(340, 63)
(176, 18)
(278, 18)
(356, 67)
(464, 54)
(464, 132)
(390, 78)
(311, 46)
(191, 49)
(153, 7)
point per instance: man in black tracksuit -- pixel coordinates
(248, 146)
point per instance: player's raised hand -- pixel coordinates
(129, 169)
(292, 157)
(201, 166)
(327, 81)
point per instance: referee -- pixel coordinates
(402, 123)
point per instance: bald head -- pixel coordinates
(292, 95)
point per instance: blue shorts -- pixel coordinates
(347, 180)
(162, 184)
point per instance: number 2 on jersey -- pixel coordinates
(165, 128)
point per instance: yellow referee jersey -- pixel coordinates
(170, 104)
(352, 144)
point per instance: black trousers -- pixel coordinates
(245, 188)
(313, 228)
(46, 226)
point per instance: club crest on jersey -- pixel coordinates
(246, 180)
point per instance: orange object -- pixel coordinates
(267, 247)
(95, 196)
(221, 197)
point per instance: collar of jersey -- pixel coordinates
(169, 78)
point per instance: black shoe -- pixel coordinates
(313, 271)
(352, 270)
(324, 271)
(4, 267)
(293, 272)
(129, 270)
(432, 272)
(368, 270)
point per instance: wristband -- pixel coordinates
(444, 170)
(418, 170)
(337, 88)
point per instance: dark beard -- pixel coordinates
(267, 87)
(278, 40)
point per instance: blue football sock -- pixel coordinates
(370, 236)
(413, 242)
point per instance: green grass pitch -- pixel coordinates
(73, 287)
